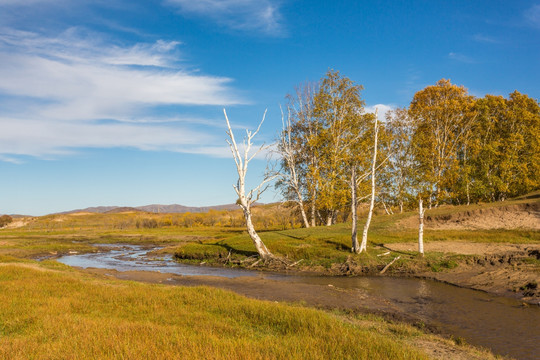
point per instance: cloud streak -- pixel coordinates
(37, 138)
(532, 16)
(244, 15)
(461, 58)
(485, 39)
(24, 2)
(56, 91)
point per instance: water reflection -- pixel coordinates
(134, 257)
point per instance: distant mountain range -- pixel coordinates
(154, 208)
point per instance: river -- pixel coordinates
(504, 325)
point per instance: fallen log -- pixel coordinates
(389, 264)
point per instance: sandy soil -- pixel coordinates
(521, 216)
(466, 248)
(17, 223)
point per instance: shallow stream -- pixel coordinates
(504, 325)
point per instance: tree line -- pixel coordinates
(446, 147)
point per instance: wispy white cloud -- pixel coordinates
(35, 137)
(532, 16)
(461, 58)
(246, 15)
(481, 38)
(26, 2)
(56, 91)
(10, 159)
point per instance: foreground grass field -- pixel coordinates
(49, 311)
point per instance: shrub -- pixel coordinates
(5, 219)
(147, 223)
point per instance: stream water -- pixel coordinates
(501, 324)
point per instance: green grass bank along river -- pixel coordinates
(49, 310)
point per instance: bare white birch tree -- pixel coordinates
(421, 212)
(289, 153)
(245, 200)
(363, 245)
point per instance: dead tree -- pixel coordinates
(245, 200)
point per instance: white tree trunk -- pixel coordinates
(363, 246)
(387, 210)
(246, 200)
(289, 154)
(259, 245)
(303, 212)
(329, 218)
(354, 202)
(313, 208)
(421, 212)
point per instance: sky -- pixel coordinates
(120, 102)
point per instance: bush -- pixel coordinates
(147, 223)
(5, 219)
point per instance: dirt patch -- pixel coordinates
(17, 223)
(500, 280)
(466, 248)
(82, 213)
(520, 216)
(439, 349)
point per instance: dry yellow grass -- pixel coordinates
(63, 314)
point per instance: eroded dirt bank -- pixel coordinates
(502, 269)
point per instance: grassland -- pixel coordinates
(49, 311)
(320, 249)
(52, 313)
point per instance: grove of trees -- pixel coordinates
(446, 147)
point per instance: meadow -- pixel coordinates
(51, 311)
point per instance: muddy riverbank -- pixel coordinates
(510, 270)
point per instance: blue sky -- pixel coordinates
(120, 102)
